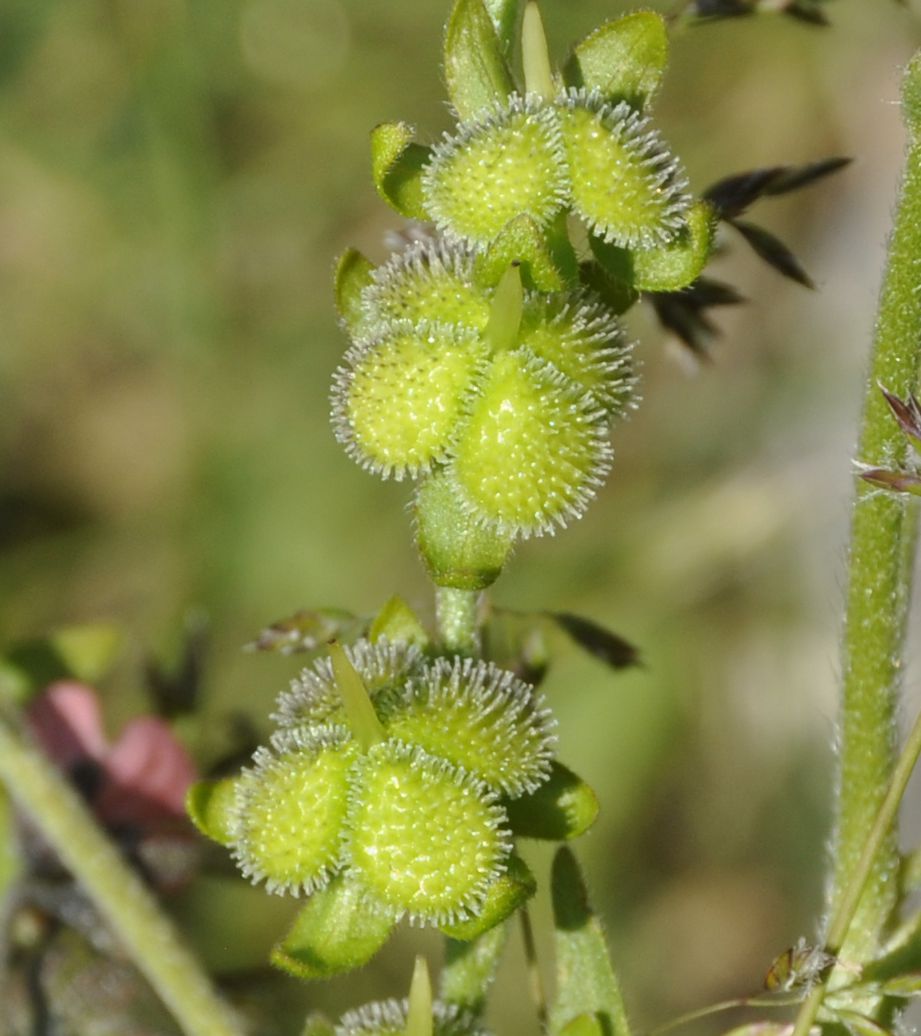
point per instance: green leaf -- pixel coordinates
(209, 804)
(337, 931)
(858, 1024)
(586, 983)
(510, 891)
(84, 653)
(504, 14)
(476, 71)
(470, 968)
(396, 621)
(667, 267)
(547, 264)
(352, 276)
(396, 166)
(562, 808)
(623, 59)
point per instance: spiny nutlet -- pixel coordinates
(576, 333)
(425, 839)
(286, 825)
(429, 282)
(533, 448)
(622, 180)
(397, 401)
(508, 163)
(388, 1018)
(480, 718)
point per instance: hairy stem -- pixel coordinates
(456, 616)
(122, 899)
(879, 575)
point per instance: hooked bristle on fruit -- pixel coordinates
(287, 820)
(478, 717)
(578, 335)
(313, 696)
(507, 164)
(427, 282)
(425, 838)
(388, 1018)
(397, 402)
(533, 449)
(623, 181)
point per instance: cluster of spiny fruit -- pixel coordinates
(489, 357)
(386, 792)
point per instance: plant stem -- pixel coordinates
(880, 563)
(841, 920)
(456, 617)
(535, 981)
(122, 899)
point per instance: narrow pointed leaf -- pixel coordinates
(476, 71)
(396, 166)
(795, 177)
(396, 621)
(773, 251)
(563, 807)
(470, 968)
(353, 274)
(336, 932)
(624, 59)
(685, 313)
(599, 642)
(860, 1025)
(504, 14)
(419, 1013)
(512, 890)
(209, 805)
(903, 986)
(732, 195)
(586, 983)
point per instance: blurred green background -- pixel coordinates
(176, 178)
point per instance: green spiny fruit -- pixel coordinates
(397, 401)
(533, 449)
(478, 717)
(425, 838)
(623, 182)
(287, 822)
(314, 697)
(577, 334)
(426, 282)
(507, 164)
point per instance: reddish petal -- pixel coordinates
(66, 720)
(148, 773)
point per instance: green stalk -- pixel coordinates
(456, 617)
(841, 920)
(879, 576)
(124, 902)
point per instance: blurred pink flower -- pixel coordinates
(137, 783)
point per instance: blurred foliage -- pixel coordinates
(175, 180)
